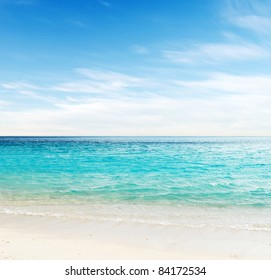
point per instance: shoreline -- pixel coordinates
(25, 237)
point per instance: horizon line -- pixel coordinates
(135, 135)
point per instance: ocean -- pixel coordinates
(187, 181)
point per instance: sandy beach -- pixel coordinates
(25, 237)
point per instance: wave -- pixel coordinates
(235, 219)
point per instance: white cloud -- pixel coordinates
(139, 49)
(211, 53)
(222, 104)
(103, 75)
(78, 23)
(29, 90)
(100, 81)
(26, 2)
(105, 3)
(4, 103)
(19, 2)
(256, 23)
(224, 83)
(18, 86)
(249, 14)
(220, 115)
(84, 86)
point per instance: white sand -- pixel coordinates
(36, 237)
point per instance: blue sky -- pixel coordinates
(135, 67)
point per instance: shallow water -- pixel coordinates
(154, 179)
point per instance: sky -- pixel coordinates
(135, 67)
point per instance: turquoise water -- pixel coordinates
(152, 172)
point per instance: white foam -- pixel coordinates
(177, 215)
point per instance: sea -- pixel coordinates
(183, 181)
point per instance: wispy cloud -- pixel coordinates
(220, 83)
(246, 14)
(26, 2)
(4, 103)
(100, 81)
(105, 75)
(221, 104)
(256, 23)
(18, 86)
(29, 90)
(211, 53)
(78, 23)
(105, 3)
(252, 15)
(139, 49)
(223, 115)
(18, 2)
